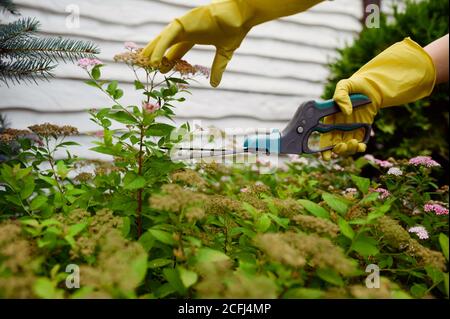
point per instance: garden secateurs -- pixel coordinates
(297, 136)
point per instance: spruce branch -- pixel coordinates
(17, 30)
(25, 70)
(53, 48)
(8, 5)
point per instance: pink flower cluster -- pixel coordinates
(151, 107)
(131, 46)
(435, 208)
(420, 231)
(381, 163)
(383, 193)
(424, 161)
(203, 70)
(86, 63)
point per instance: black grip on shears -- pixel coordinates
(294, 138)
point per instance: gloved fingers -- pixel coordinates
(326, 139)
(148, 50)
(166, 39)
(220, 63)
(176, 52)
(338, 136)
(342, 96)
(326, 155)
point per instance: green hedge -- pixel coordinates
(416, 128)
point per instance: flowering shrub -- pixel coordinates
(143, 226)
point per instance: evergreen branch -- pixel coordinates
(48, 48)
(17, 30)
(25, 69)
(8, 5)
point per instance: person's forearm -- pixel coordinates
(438, 50)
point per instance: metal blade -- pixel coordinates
(207, 152)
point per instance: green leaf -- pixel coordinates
(330, 276)
(38, 201)
(138, 85)
(137, 183)
(365, 246)
(126, 226)
(304, 293)
(362, 183)
(28, 188)
(346, 229)
(160, 129)
(118, 94)
(335, 203)
(112, 87)
(435, 274)
(188, 277)
(139, 268)
(49, 180)
(44, 288)
(209, 255)
(159, 262)
(173, 277)
(162, 236)
(147, 241)
(76, 229)
(96, 74)
(418, 290)
(314, 208)
(104, 150)
(123, 117)
(61, 169)
(443, 241)
(263, 223)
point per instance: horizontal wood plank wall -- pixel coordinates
(279, 65)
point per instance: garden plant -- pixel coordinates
(144, 226)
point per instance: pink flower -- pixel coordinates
(424, 161)
(395, 171)
(86, 63)
(131, 46)
(203, 70)
(99, 134)
(383, 193)
(385, 164)
(436, 208)
(244, 190)
(372, 159)
(151, 107)
(420, 231)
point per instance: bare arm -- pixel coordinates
(438, 50)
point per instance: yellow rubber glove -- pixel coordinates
(401, 74)
(224, 24)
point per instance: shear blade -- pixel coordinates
(206, 153)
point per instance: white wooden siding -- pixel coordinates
(279, 65)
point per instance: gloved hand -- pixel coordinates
(224, 24)
(401, 74)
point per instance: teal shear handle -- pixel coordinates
(307, 120)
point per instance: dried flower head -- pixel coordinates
(320, 226)
(298, 249)
(47, 130)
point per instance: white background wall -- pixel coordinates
(279, 65)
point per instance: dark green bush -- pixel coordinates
(416, 128)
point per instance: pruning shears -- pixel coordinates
(296, 136)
